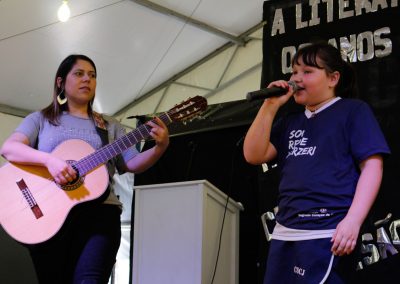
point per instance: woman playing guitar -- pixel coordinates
(85, 248)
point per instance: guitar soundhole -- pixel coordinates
(76, 183)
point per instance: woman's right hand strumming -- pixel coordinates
(60, 170)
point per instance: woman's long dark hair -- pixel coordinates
(331, 60)
(54, 109)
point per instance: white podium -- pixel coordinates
(176, 234)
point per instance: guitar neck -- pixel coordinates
(107, 152)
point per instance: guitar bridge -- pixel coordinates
(37, 212)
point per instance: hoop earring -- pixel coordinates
(61, 98)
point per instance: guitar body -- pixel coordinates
(24, 223)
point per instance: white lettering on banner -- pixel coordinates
(345, 10)
(380, 248)
(279, 24)
(286, 59)
(299, 12)
(315, 20)
(329, 10)
(380, 41)
(362, 47)
(360, 5)
(343, 5)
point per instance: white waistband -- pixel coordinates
(283, 233)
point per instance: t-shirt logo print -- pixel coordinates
(298, 144)
(299, 271)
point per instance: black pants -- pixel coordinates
(84, 251)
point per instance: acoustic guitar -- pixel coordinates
(33, 207)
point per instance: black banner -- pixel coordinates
(368, 35)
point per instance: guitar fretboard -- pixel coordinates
(111, 150)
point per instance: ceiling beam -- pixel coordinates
(161, 9)
(172, 79)
(233, 80)
(190, 68)
(14, 111)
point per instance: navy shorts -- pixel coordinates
(309, 261)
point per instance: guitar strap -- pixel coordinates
(101, 127)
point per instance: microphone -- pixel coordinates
(271, 92)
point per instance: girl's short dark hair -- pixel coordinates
(330, 59)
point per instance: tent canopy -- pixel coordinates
(137, 45)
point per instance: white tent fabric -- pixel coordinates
(137, 46)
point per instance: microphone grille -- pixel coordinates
(293, 85)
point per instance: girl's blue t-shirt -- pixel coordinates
(319, 160)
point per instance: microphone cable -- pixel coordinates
(228, 193)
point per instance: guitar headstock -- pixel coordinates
(188, 109)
